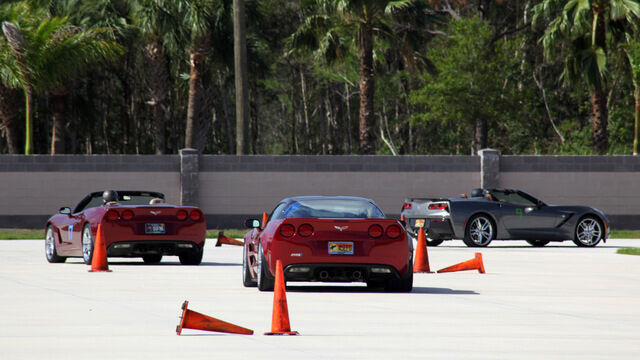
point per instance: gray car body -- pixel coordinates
(512, 221)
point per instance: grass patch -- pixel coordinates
(625, 234)
(629, 251)
(29, 234)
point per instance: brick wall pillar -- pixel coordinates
(489, 168)
(189, 168)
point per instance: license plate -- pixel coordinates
(154, 228)
(419, 223)
(340, 248)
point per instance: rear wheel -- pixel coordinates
(191, 258)
(588, 232)
(152, 258)
(87, 244)
(538, 243)
(247, 280)
(265, 280)
(404, 284)
(479, 231)
(50, 247)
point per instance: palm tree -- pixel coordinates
(583, 31)
(632, 50)
(328, 29)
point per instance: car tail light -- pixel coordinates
(181, 214)
(375, 231)
(393, 231)
(305, 230)
(407, 206)
(287, 230)
(195, 215)
(113, 215)
(127, 215)
(438, 206)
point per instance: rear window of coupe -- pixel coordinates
(329, 209)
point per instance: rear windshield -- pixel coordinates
(329, 208)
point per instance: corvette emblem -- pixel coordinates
(155, 212)
(341, 228)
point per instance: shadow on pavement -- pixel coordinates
(364, 289)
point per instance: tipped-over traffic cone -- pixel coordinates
(99, 256)
(222, 239)
(280, 318)
(265, 218)
(421, 262)
(473, 264)
(194, 320)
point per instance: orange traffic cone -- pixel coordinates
(194, 320)
(421, 263)
(473, 264)
(280, 318)
(227, 240)
(99, 257)
(265, 218)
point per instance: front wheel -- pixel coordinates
(50, 247)
(479, 231)
(266, 281)
(87, 244)
(538, 243)
(247, 280)
(191, 258)
(588, 232)
(434, 242)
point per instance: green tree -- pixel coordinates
(332, 26)
(583, 32)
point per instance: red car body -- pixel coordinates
(349, 249)
(131, 227)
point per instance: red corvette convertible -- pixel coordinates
(134, 224)
(328, 239)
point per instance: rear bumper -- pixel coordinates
(140, 248)
(339, 272)
(435, 228)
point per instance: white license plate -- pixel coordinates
(154, 228)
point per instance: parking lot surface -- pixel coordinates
(556, 302)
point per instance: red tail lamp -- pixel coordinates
(438, 206)
(195, 215)
(113, 215)
(393, 231)
(287, 230)
(375, 231)
(407, 206)
(305, 230)
(181, 214)
(127, 215)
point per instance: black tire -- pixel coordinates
(266, 281)
(50, 251)
(404, 284)
(588, 232)
(479, 232)
(152, 258)
(88, 244)
(247, 281)
(191, 258)
(434, 242)
(538, 243)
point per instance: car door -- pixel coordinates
(525, 217)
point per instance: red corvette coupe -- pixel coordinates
(134, 224)
(328, 239)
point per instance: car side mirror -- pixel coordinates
(65, 210)
(252, 223)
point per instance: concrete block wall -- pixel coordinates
(231, 188)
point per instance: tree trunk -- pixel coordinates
(367, 91)
(242, 82)
(28, 144)
(158, 88)
(305, 107)
(636, 118)
(600, 116)
(58, 98)
(481, 131)
(9, 104)
(195, 110)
